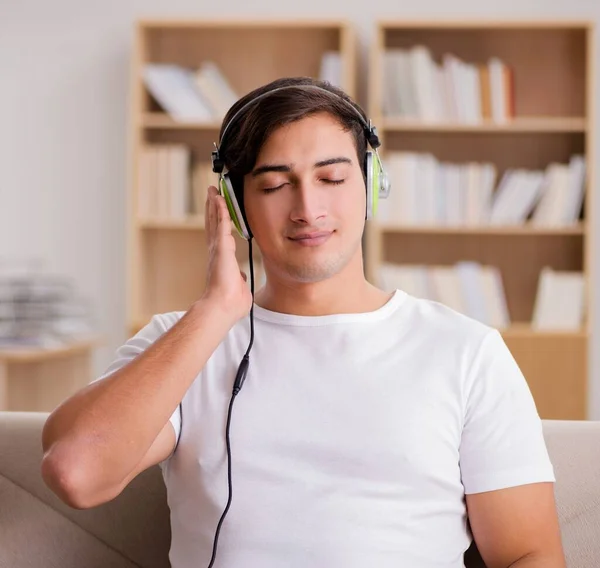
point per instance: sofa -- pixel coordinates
(38, 531)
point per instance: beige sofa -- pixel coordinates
(38, 531)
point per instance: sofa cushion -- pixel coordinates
(134, 525)
(574, 448)
(35, 534)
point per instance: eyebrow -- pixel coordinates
(288, 168)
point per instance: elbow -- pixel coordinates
(71, 483)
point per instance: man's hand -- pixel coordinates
(224, 283)
(517, 527)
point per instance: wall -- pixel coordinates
(64, 69)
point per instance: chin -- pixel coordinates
(314, 271)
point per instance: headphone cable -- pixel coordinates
(237, 386)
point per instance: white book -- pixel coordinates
(560, 301)
(331, 68)
(519, 198)
(214, 89)
(501, 199)
(469, 274)
(163, 181)
(427, 171)
(405, 166)
(403, 75)
(179, 178)
(497, 92)
(441, 195)
(387, 208)
(391, 92)
(452, 66)
(576, 190)
(474, 195)
(549, 208)
(446, 287)
(489, 174)
(454, 194)
(495, 297)
(472, 94)
(423, 76)
(174, 89)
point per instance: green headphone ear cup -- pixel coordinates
(232, 206)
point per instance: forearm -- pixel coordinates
(103, 431)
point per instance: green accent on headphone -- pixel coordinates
(230, 205)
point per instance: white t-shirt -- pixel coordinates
(354, 439)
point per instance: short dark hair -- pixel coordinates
(247, 134)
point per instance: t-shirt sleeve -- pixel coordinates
(502, 442)
(132, 348)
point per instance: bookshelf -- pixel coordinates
(549, 94)
(167, 256)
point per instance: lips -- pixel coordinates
(311, 239)
(313, 235)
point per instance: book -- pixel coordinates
(173, 87)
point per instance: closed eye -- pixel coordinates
(325, 180)
(272, 189)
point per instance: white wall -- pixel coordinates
(64, 72)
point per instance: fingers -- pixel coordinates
(217, 219)
(210, 219)
(224, 220)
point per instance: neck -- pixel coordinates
(346, 292)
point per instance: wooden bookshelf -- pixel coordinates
(167, 257)
(553, 96)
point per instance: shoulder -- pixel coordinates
(440, 324)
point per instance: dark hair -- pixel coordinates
(247, 134)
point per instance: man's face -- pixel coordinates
(305, 200)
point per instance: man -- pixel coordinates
(370, 424)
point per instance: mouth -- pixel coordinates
(312, 239)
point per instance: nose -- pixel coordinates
(309, 204)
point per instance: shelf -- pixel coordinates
(195, 223)
(523, 330)
(35, 354)
(244, 23)
(517, 125)
(521, 230)
(454, 24)
(163, 121)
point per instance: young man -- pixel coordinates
(370, 423)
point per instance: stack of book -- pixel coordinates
(419, 88)
(171, 185)
(190, 95)
(38, 309)
(205, 94)
(477, 291)
(560, 301)
(427, 192)
(467, 287)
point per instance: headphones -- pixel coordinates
(378, 184)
